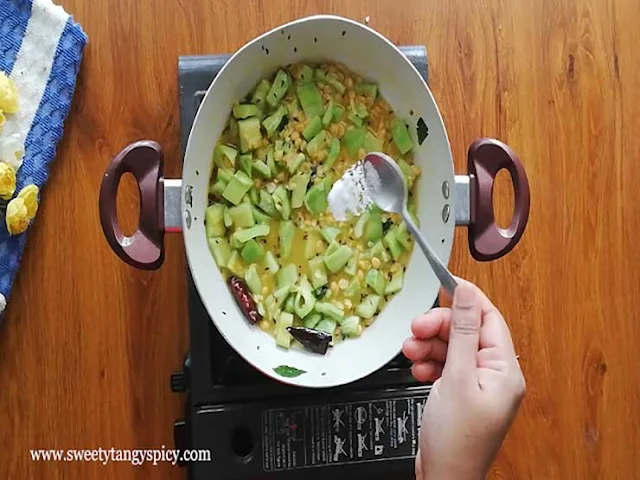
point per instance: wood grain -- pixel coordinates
(88, 343)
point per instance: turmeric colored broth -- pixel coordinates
(378, 122)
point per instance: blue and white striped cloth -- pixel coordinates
(41, 50)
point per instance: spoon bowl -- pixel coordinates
(388, 191)
(387, 186)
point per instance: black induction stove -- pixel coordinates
(255, 427)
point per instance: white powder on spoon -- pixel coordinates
(352, 194)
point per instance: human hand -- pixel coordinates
(467, 350)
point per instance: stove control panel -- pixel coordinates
(373, 433)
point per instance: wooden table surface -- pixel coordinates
(88, 344)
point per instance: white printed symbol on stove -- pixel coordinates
(281, 422)
(419, 411)
(339, 447)
(361, 443)
(378, 449)
(337, 419)
(379, 429)
(402, 428)
(361, 415)
(379, 410)
(289, 426)
(292, 431)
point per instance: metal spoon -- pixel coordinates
(389, 192)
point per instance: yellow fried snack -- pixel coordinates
(7, 180)
(30, 196)
(17, 218)
(8, 94)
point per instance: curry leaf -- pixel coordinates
(287, 371)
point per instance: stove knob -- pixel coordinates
(178, 382)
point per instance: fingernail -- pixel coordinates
(465, 296)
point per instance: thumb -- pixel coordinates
(464, 337)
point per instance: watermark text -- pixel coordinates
(133, 456)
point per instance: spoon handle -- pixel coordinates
(441, 271)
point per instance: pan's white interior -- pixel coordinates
(369, 54)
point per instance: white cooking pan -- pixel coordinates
(444, 199)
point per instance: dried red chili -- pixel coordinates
(243, 298)
(313, 340)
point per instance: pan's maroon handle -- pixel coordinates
(145, 248)
(487, 241)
